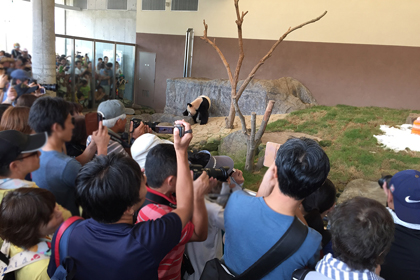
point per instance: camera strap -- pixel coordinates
(152, 198)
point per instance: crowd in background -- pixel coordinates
(147, 216)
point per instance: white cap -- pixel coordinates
(143, 144)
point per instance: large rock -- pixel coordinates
(411, 118)
(290, 95)
(234, 145)
(361, 187)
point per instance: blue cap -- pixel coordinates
(405, 188)
(20, 75)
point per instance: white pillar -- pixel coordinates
(43, 41)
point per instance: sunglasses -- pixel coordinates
(27, 156)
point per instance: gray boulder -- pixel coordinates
(234, 146)
(290, 95)
(361, 187)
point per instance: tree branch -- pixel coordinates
(261, 62)
(265, 119)
(239, 21)
(222, 57)
(241, 117)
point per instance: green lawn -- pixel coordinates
(347, 134)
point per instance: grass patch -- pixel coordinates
(347, 134)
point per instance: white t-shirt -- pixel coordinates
(78, 71)
(201, 252)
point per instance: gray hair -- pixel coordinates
(111, 122)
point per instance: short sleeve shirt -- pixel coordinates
(170, 267)
(252, 228)
(57, 173)
(121, 251)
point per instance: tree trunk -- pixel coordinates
(231, 118)
(254, 140)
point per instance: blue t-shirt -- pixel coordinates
(121, 251)
(57, 173)
(252, 228)
(106, 72)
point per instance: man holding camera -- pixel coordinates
(114, 116)
(108, 246)
(254, 224)
(162, 179)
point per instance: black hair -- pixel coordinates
(3, 108)
(99, 87)
(107, 186)
(160, 164)
(105, 56)
(4, 170)
(362, 231)
(302, 167)
(47, 111)
(78, 61)
(322, 199)
(109, 64)
(100, 59)
(83, 82)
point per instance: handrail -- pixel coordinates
(92, 39)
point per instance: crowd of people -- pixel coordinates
(143, 214)
(86, 78)
(16, 76)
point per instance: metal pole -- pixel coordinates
(114, 93)
(93, 79)
(73, 76)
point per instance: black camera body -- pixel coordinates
(51, 87)
(220, 174)
(136, 123)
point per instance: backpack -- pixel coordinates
(66, 268)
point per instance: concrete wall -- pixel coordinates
(102, 24)
(378, 22)
(362, 53)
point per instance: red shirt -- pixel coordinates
(170, 266)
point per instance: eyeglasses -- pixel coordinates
(29, 155)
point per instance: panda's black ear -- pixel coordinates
(189, 105)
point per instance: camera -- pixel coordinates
(220, 174)
(51, 87)
(385, 179)
(136, 123)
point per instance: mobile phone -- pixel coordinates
(92, 122)
(42, 90)
(270, 153)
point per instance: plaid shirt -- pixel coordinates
(170, 266)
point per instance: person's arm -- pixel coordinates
(199, 216)
(101, 138)
(11, 95)
(184, 184)
(87, 154)
(267, 183)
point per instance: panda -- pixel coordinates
(199, 108)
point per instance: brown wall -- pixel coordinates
(351, 74)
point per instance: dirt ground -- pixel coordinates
(216, 127)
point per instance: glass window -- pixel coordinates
(124, 72)
(104, 58)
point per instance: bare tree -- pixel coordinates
(253, 139)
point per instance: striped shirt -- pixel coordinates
(170, 266)
(113, 146)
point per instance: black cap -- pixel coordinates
(13, 143)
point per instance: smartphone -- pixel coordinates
(42, 90)
(92, 122)
(270, 153)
